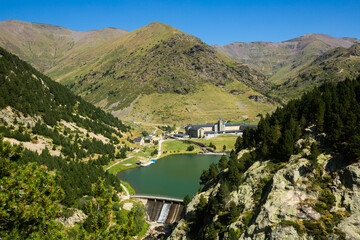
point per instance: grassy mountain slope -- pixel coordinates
(279, 60)
(197, 106)
(45, 46)
(155, 59)
(116, 71)
(335, 65)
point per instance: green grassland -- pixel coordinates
(220, 141)
(127, 164)
(170, 147)
(206, 104)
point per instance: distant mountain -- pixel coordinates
(278, 61)
(156, 73)
(45, 46)
(334, 65)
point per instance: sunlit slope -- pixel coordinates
(45, 46)
(155, 60)
(206, 104)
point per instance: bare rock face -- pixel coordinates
(284, 201)
(286, 233)
(77, 217)
(180, 231)
(350, 194)
(351, 226)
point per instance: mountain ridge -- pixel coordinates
(278, 60)
(43, 44)
(151, 62)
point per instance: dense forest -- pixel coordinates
(32, 193)
(38, 189)
(331, 112)
(30, 93)
(27, 90)
(334, 110)
(77, 178)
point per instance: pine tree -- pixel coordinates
(286, 144)
(29, 198)
(234, 175)
(314, 153)
(186, 200)
(223, 163)
(239, 144)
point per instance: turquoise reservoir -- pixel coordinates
(172, 176)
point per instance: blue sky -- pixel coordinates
(215, 22)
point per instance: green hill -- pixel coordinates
(57, 169)
(161, 63)
(121, 72)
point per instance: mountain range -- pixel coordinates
(276, 60)
(156, 73)
(290, 65)
(160, 74)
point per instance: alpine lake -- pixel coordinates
(171, 176)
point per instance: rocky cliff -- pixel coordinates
(300, 199)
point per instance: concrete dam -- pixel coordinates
(161, 209)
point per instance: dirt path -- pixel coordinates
(126, 191)
(160, 142)
(118, 162)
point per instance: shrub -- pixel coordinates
(190, 148)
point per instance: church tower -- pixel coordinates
(221, 125)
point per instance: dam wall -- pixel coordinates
(163, 211)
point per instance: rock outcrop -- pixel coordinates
(294, 200)
(77, 217)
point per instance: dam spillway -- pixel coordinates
(163, 211)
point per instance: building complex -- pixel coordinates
(221, 127)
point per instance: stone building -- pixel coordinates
(220, 127)
(140, 141)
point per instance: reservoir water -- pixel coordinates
(172, 176)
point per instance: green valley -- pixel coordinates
(156, 64)
(81, 112)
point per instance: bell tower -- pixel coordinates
(221, 126)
